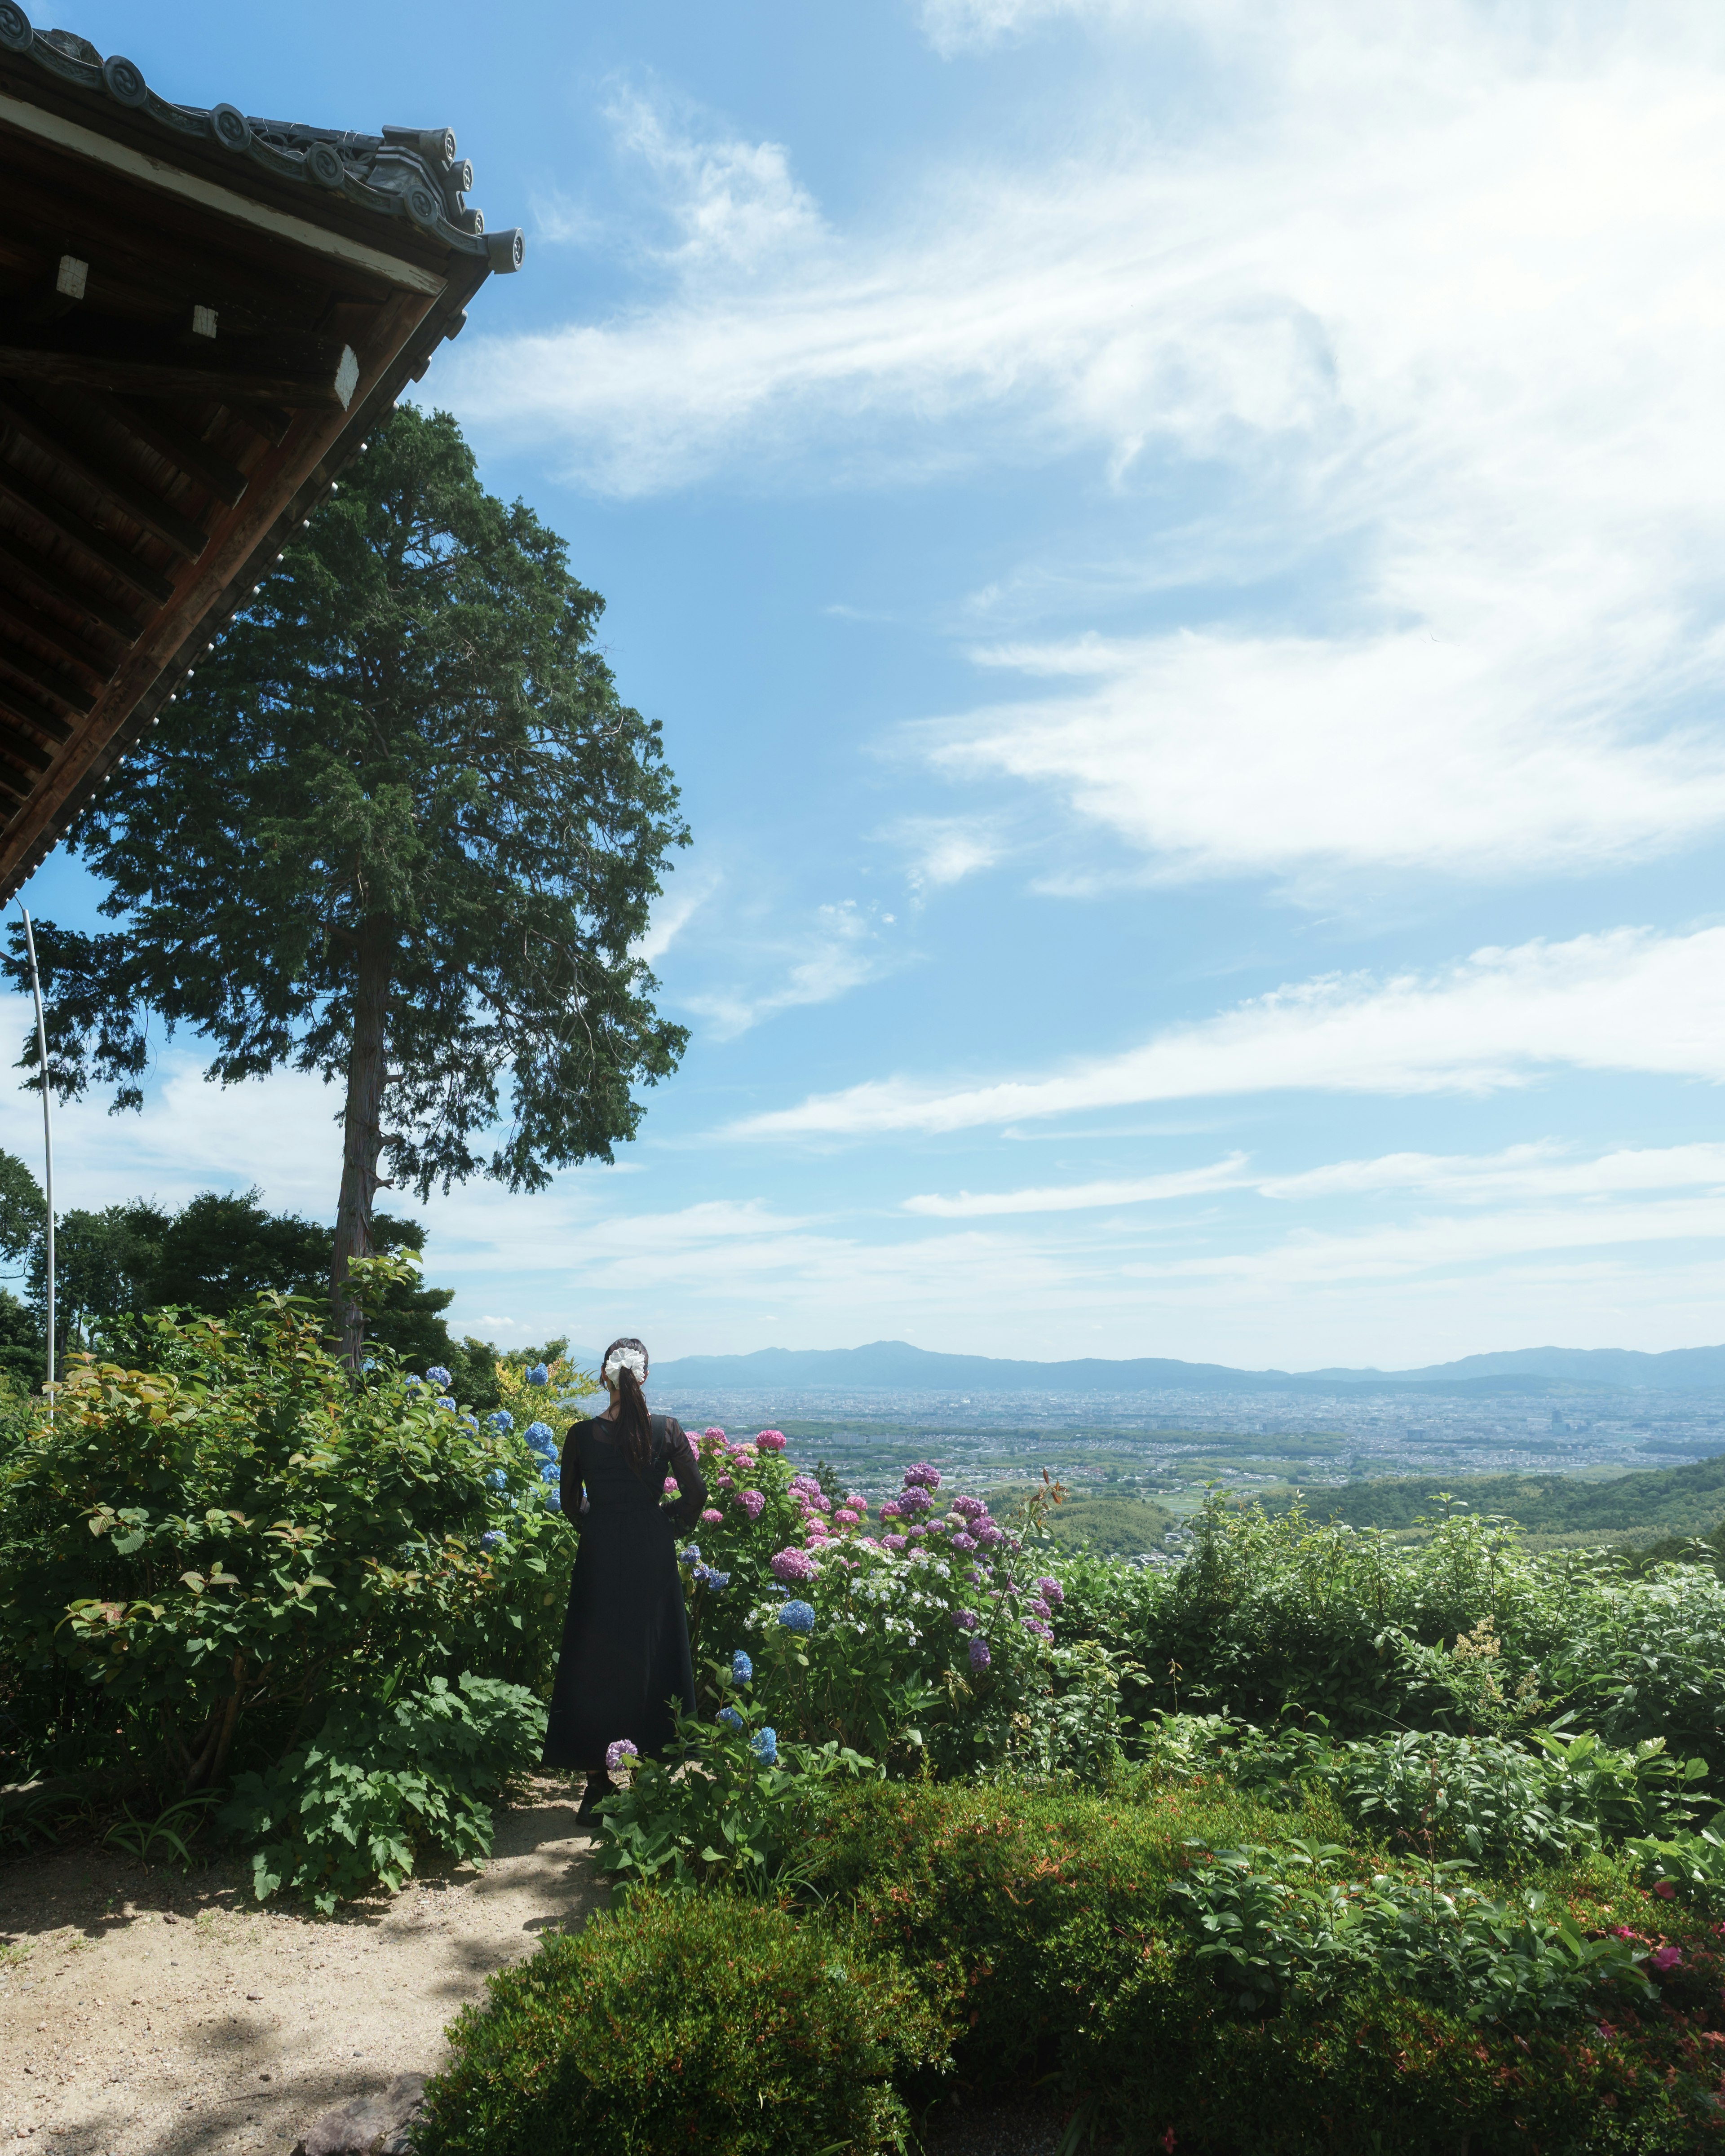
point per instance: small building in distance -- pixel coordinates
(202, 314)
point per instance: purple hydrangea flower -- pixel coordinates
(795, 1568)
(753, 1501)
(964, 1542)
(1050, 1590)
(915, 1502)
(971, 1508)
(892, 1541)
(967, 1621)
(980, 1657)
(616, 1753)
(922, 1476)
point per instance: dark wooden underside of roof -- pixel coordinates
(179, 387)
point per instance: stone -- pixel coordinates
(367, 2125)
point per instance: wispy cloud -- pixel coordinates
(1084, 1197)
(945, 849)
(840, 950)
(1626, 1000)
(691, 887)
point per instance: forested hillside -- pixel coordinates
(1676, 1500)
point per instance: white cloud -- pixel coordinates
(840, 951)
(1083, 1197)
(691, 887)
(945, 849)
(1520, 1171)
(734, 203)
(1428, 285)
(1625, 1000)
(1493, 755)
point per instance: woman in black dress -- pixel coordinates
(625, 1654)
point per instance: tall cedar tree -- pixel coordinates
(400, 830)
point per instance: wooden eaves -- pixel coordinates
(202, 315)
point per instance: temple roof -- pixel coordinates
(202, 314)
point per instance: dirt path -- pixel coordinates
(142, 2014)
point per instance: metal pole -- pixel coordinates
(47, 1136)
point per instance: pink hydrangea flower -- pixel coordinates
(892, 1541)
(712, 1517)
(725, 1482)
(670, 1485)
(915, 1534)
(713, 1430)
(892, 1509)
(971, 1508)
(753, 1501)
(846, 1518)
(794, 1567)
(771, 1440)
(964, 1542)
(1667, 1958)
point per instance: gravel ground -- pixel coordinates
(145, 2014)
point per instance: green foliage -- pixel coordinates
(1434, 1793)
(731, 1808)
(167, 1835)
(383, 1778)
(1110, 1525)
(406, 751)
(23, 1210)
(198, 1557)
(1182, 1963)
(681, 2022)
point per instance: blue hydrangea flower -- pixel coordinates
(764, 1744)
(497, 1479)
(539, 1375)
(502, 1421)
(412, 1382)
(469, 1422)
(447, 1405)
(369, 1364)
(691, 1555)
(552, 1470)
(554, 1500)
(540, 1436)
(730, 1718)
(742, 1668)
(797, 1617)
(718, 1581)
(439, 1377)
(701, 1575)
(491, 1537)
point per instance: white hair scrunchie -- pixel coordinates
(625, 1358)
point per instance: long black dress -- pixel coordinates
(625, 1637)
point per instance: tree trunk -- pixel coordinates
(363, 1137)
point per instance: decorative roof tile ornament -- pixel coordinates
(405, 172)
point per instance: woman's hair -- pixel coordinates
(623, 1367)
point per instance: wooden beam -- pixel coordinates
(154, 171)
(179, 445)
(59, 438)
(22, 705)
(50, 678)
(49, 628)
(19, 746)
(50, 577)
(81, 352)
(268, 420)
(86, 537)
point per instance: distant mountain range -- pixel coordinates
(893, 1365)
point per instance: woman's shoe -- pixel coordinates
(598, 1786)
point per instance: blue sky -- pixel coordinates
(1177, 545)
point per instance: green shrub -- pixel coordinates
(685, 2022)
(1181, 1963)
(731, 1805)
(383, 1780)
(197, 1559)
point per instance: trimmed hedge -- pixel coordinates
(681, 2022)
